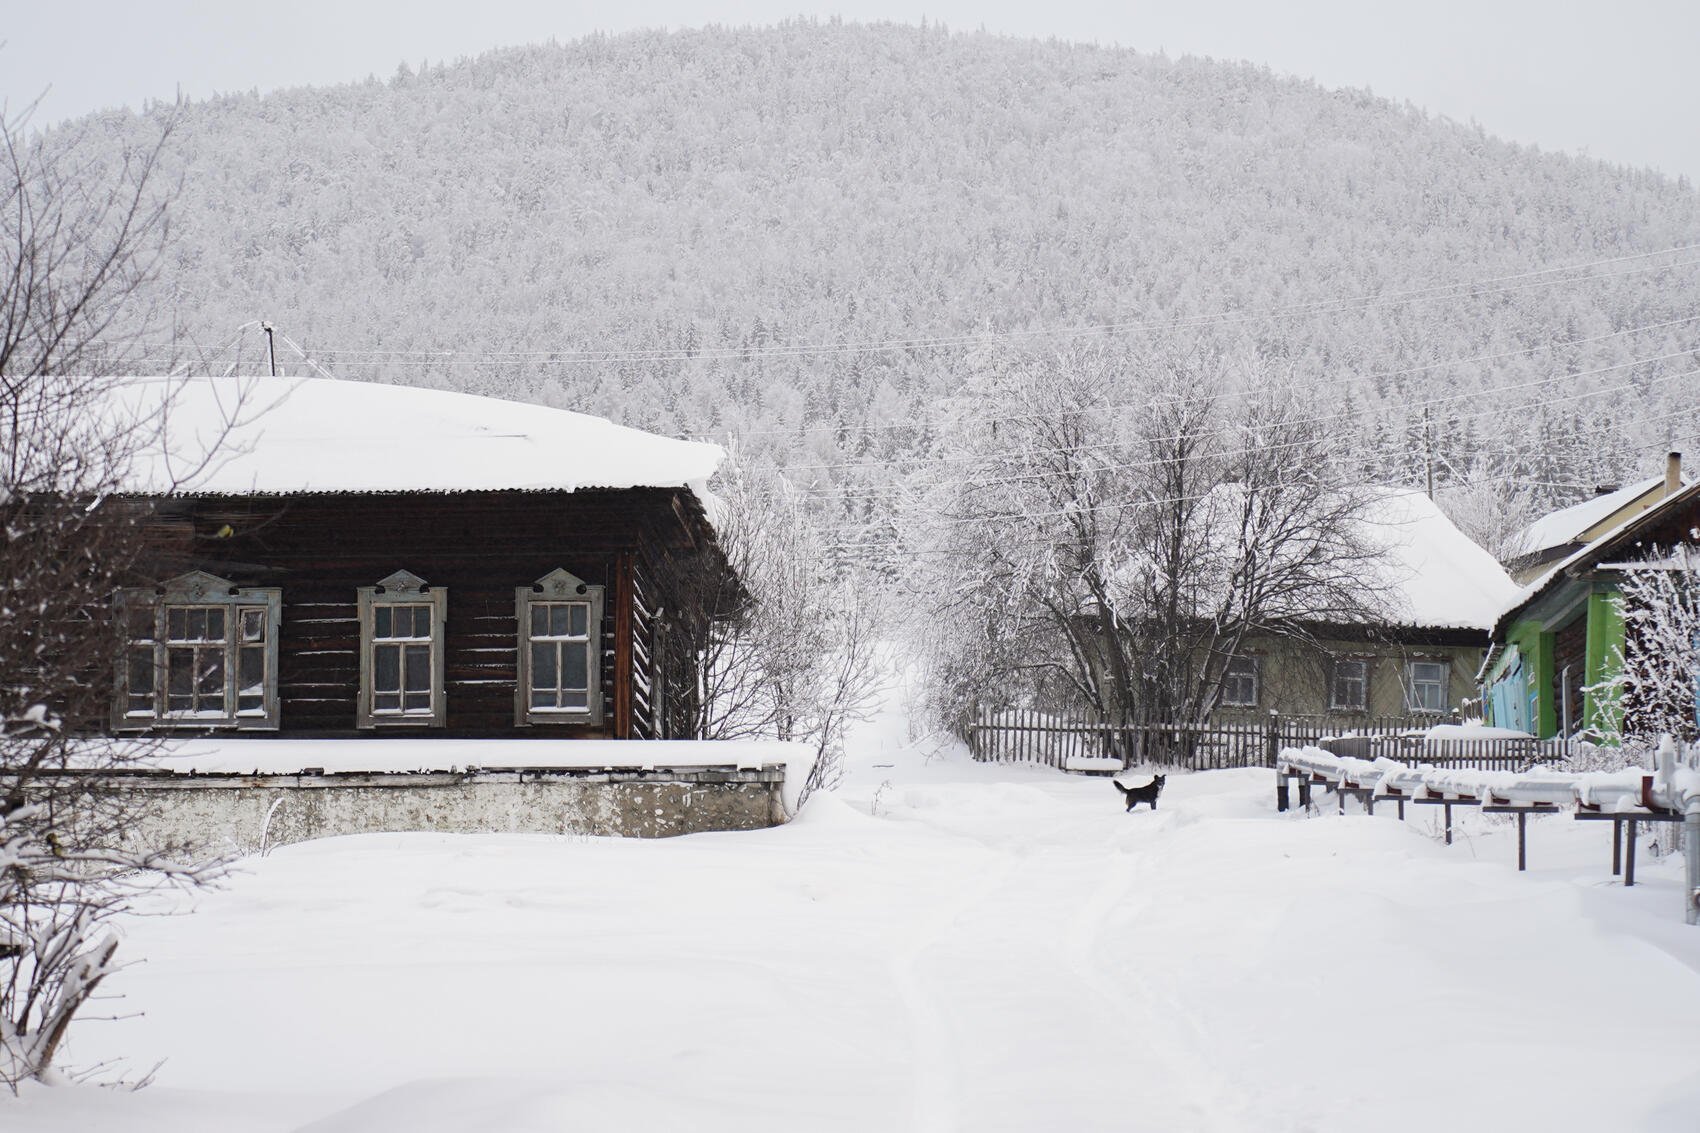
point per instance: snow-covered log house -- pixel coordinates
(365, 563)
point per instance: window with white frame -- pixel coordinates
(1348, 685)
(560, 649)
(1240, 683)
(1425, 685)
(201, 653)
(401, 653)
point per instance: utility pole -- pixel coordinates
(271, 353)
(1428, 450)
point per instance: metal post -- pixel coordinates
(1616, 847)
(1281, 799)
(1691, 848)
(1629, 856)
(1522, 827)
(1447, 807)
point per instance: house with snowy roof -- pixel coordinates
(1560, 534)
(1559, 642)
(1438, 593)
(361, 558)
(330, 565)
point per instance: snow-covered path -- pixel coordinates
(940, 946)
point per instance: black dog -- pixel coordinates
(1145, 794)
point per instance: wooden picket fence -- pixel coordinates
(1073, 743)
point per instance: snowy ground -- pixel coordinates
(938, 946)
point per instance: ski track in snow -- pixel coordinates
(1171, 1038)
(934, 1045)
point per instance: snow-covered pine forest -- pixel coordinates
(799, 238)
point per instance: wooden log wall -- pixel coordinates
(321, 549)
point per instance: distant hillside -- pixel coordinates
(691, 208)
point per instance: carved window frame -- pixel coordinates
(401, 589)
(156, 621)
(559, 587)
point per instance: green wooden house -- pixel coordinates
(1555, 650)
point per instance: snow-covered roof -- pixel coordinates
(1435, 575)
(1570, 524)
(1593, 553)
(296, 435)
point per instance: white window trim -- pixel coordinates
(1333, 684)
(559, 585)
(403, 588)
(1411, 686)
(198, 588)
(1256, 683)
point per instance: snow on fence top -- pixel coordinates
(297, 435)
(1675, 787)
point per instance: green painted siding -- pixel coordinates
(1536, 648)
(1605, 657)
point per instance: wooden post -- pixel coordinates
(623, 645)
(1616, 847)
(1522, 827)
(1629, 856)
(1447, 807)
(1281, 798)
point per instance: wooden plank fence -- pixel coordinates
(1023, 735)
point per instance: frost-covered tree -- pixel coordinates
(1117, 526)
(789, 650)
(1658, 686)
(78, 241)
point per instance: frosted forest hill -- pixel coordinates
(808, 236)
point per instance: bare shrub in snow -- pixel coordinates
(76, 242)
(789, 651)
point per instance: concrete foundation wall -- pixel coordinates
(244, 814)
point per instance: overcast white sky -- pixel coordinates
(1614, 79)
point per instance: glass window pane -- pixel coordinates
(176, 623)
(386, 702)
(386, 668)
(251, 674)
(381, 621)
(539, 620)
(579, 613)
(543, 698)
(543, 671)
(416, 702)
(215, 625)
(574, 699)
(253, 625)
(574, 669)
(210, 678)
(418, 677)
(557, 620)
(141, 679)
(180, 671)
